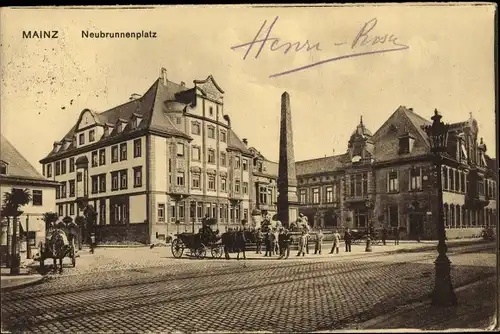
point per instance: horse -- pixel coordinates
(59, 247)
(235, 241)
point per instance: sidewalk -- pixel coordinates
(27, 277)
(475, 310)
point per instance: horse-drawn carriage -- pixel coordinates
(359, 235)
(198, 243)
(57, 246)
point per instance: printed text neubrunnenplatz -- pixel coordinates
(127, 34)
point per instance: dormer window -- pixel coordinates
(81, 139)
(3, 168)
(406, 143)
(91, 136)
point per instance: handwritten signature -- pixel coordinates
(365, 37)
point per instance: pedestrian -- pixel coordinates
(92, 243)
(268, 240)
(308, 236)
(319, 242)
(258, 241)
(302, 244)
(396, 237)
(348, 240)
(276, 242)
(285, 249)
(336, 242)
(384, 235)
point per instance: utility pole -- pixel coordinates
(28, 246)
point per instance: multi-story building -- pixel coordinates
(156, 164)
(17, 172)
(388, 178)
(265, 191)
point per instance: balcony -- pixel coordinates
(266, 207)
(235, 195)
(178, 190)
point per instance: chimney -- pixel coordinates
(134, 96)
(410, 109)
(245, 141)
(163, 75)
(183, 84)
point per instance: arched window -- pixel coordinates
(457, 215)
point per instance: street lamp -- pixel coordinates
(369, 206)
(443, 294)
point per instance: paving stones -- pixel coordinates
(194, 295)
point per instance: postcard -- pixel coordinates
(249, 168)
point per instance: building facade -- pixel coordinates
(17, 172)
(388, 179)
(155, 165)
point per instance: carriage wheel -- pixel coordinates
(217, 251)
(201, 252)
(177, 248)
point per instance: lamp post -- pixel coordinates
(443, 294)
(369, 206)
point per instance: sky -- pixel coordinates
(445, 61)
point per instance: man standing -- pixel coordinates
(319, 242)
(302, 244)
(258, 241)
(384, 235)
(336, 242)
(348, 240)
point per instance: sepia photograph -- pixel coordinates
(249, 168)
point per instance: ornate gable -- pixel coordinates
(87, 119)
(209, 88)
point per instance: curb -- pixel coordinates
(34, 281)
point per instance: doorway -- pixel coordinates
(416, 225)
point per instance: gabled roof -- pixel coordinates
(235, 143)
(17, 165)
(321, 165)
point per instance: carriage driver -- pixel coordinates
(206, 231)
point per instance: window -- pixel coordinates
(404, 145)
(302, 196)
(137, 148)
(245, 188)
(137, 176)
(49, 170)
(60, 210)
(263, 194)
(211, 156)
(329, 194)
(71, 209)
(181, 211)
(199, 210)
(114, 153)
(211, 183)
(58, 192)
(178, 120)
(223, 136)
(358, 184)
(95, 184)
(245, 164)
(102, 157)
(195, 180)
(94, 159)
(180, 149)
(365, 184)
(91, 136)
(114, 180)
(37, 197)
(416, 179)
(315, 195)
(180, 178)
(237, 162)
(161, 212)
(123, 151)
(462, 182)
(102, 183)
(360, 218)
(63, 190)
(392, 182)
(195, 153)
(211, 111)
(445, 177)
(71, 165)
(393, 215)
(79, 177)
(58, 168)
(222, 158)
(452, 179)
(63, 166)
(237, 186)
(352, 184)
(81, 139)
(195, 128)
(223, 184)
(71, 188)
(211, 131)
(123, 179)
(480, 186)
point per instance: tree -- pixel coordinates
(12, 203)
(49, 218)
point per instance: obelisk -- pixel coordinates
(288, 206)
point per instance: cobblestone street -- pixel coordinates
(165, 294)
